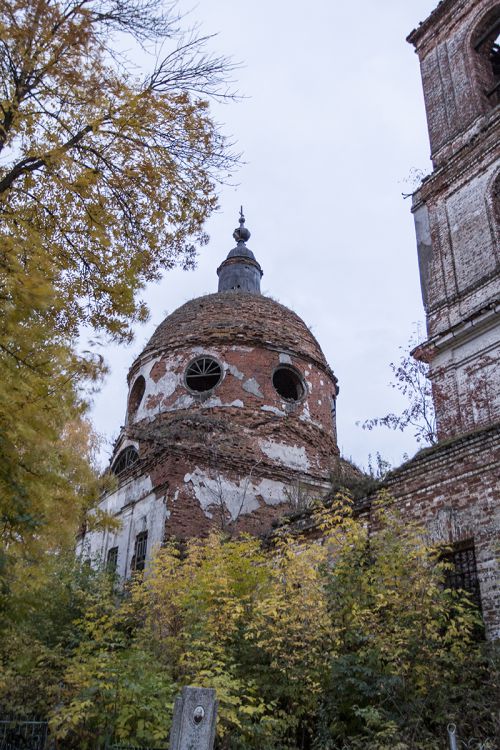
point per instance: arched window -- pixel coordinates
(486, 44)
(126, 458)
(140, 549)
(136, 396)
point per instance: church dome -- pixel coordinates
(231, 410)
(237, 318)
(230, 419)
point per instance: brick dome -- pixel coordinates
(230, 418)
(236, 318)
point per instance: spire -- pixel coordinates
(240, 271)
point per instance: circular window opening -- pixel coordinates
(136, 395)
(203, 374)
(288, 383)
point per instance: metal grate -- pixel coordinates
(112, 559)
(463, 574)
(19, 734)
(141, 545)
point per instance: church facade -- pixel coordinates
(231, 406)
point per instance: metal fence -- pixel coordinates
(22, 734)
(455, 743)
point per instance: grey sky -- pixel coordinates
(332, 124)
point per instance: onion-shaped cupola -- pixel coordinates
(240, 272)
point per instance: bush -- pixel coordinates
(348, 642)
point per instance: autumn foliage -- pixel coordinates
(107, 175)
(347, 642)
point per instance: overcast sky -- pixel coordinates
(331, 126)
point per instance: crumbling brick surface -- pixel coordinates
(457, 214)
(239, 455)
(453, 490)
(455, 77)
(235, 318)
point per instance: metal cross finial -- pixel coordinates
(241, 234)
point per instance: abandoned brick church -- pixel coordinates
(231, 408)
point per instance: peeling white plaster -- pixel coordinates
(285, 359)
(212, 401)
(272, 492)
(169, 382)
(215, 401)
(321, 382)
(234, 371)
(183, 402)
(238, 498)
(138, 509)
(163, 388)
(306, 414)
(132, 490)
(293, 456)
(195, 350)
(307, 373)
(251, 386)
(146, 368)
(274, 410)
(319, 402)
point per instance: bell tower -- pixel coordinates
(457, 212)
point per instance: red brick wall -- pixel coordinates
(457, 218)
(454, 491)
(454, 76)
(240, 443)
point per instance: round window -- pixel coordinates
(203, 374)
(288, 383)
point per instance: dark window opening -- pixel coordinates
(496, 201)
(495, 57)
(463, 570)
(136, 395)
(334, 410)
(203, 374)
(112, 559)
(141, 545)
(126, 458)
(288, 383)
(486, 43)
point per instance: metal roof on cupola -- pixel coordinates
(240, 271)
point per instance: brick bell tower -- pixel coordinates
(457, 212)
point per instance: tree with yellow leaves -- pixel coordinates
(106, 178)
(345, 641)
